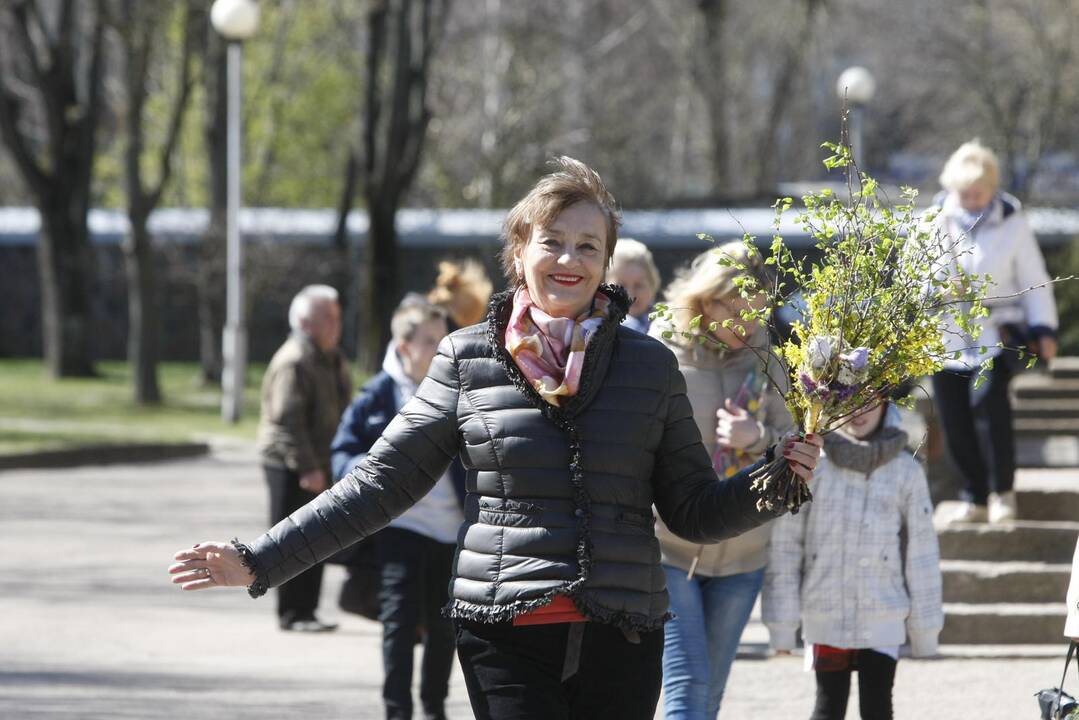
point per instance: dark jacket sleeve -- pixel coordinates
(348, 441)
(692, 500)
(401, 467)
(362, 423)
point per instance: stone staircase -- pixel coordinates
(1047, 416)
(1006, 585)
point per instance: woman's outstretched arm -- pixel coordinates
(401, 467)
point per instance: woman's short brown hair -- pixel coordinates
(571, 183)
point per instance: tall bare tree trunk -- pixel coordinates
(65, 263)
(210, 285)
(381, 288)
(349, 285)
(56, 52)
(709, 66)
(140, 27)
(143, 332)
(402, 36)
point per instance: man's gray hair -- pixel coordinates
(304, 303)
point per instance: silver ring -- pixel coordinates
(206, 571)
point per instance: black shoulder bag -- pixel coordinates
(1056, 704)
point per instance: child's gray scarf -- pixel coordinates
(865, 455)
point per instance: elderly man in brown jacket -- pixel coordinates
(304, 392)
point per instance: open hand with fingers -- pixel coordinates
(210, 564)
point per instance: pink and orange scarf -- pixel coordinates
(550, 350)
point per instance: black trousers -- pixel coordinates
(977, 427)
(298, 598)
(415, 587)
(515, 673)
(876, 676)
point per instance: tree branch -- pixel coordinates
(397, 128)
(67, 24)
(88, 126)
(36, 176)
(30, 50)
(39, 23)
(263, 156)
(432, 29)
(176, 120)
(376, 42)
(344, 205)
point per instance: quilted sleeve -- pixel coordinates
(401, 467)
(693, 502)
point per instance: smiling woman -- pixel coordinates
(540, 213)
(571, 429)
(564, 262)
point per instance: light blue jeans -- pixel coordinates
(701, 642)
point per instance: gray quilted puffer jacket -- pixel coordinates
(559, 499)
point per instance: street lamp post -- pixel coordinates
(856, 87)
(237, 21)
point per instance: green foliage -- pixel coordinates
(1064, 262)
(163, 87)
(38, 413)
(303, 78)
(875, 304)
(887, 281)
(304, 75)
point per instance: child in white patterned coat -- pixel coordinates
(858, 568)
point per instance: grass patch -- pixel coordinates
(23, 441)
(37, 412)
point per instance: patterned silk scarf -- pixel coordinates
(550, 350)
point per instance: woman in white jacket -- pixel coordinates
(990, 235)
(858, 568)
(1071, 626)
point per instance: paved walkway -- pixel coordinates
(91, 628)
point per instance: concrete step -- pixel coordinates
(755, 644)
(1064, 368)
(1056, 649)
(1047, 451)
(1047, 505)
(1055, 407)
(1048, 494)
(1003, 624)
(1048, 479)
(1025, 541)
(975, 581)
(1042, 427)
(1038, 385)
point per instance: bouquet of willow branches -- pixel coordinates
(873, 308)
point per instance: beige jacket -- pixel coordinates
(304, 393)
(711, 378)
